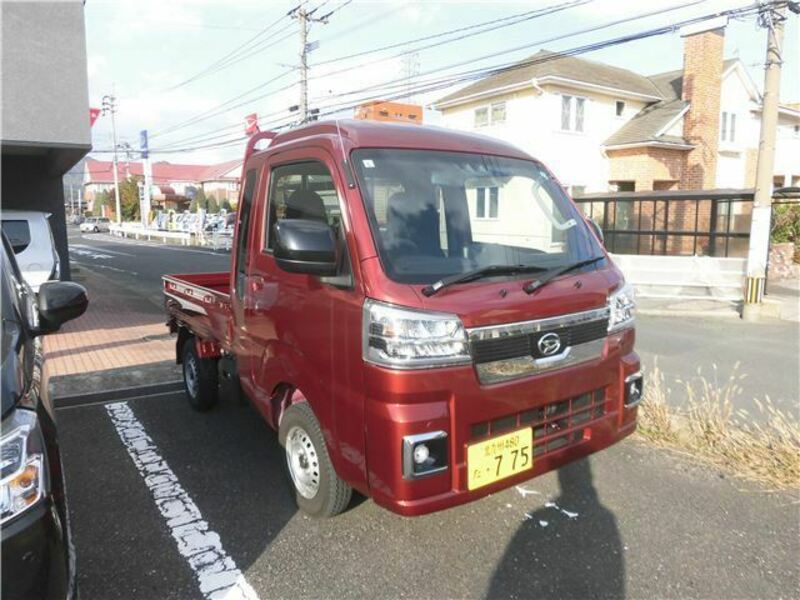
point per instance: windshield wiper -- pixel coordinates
(534, 285)
(490, 271)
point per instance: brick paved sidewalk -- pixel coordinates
(117, 331)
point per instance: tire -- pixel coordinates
(96, 230)
(318, 490)
(200, 381)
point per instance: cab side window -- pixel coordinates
(302, 191)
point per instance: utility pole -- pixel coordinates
(772, 18)
(110, 106)
(305, 18)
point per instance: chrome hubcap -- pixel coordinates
(191, 376)
(301, 456)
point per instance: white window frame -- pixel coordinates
(490, 120)
(727, 127)
(573, 114)
(486, 214)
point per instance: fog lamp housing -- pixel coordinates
(425, 454)
(634, 389)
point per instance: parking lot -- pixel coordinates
(170, 503)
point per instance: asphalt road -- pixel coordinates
(170, 503)
(766, 353)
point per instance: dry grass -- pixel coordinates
(766, 449)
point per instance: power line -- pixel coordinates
(218, 109)
(448, 81)
(527, 46)
(227, 59)
(523, 16)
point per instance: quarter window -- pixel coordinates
(243, 232)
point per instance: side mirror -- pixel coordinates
(59, 302)
(305, 246)
(597, 230)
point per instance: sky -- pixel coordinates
(144, 51)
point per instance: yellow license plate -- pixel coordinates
(499, 457)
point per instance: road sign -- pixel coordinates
(143, 143)
(93, 114)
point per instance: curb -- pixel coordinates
(665, 312)
(118, 394)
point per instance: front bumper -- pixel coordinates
(36, 555)
(452, 400)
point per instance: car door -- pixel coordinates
(240, 266)
(306, 329)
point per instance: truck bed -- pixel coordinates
(202, 303)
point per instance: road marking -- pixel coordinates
(92, 249)
(107, 267)
(216, 572)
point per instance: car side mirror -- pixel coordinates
(305, 246)
(59, 302)
(598, 231)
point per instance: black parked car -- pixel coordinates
(37, 555)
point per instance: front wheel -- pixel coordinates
(318, 490)
(200, 379)
(96, 230)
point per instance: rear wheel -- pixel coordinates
(318, 490)
(200, 379)
(96, 230)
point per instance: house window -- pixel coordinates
(572, 113)
(727, 130)
(619, 107)
(498, 113)
(487, 203)
(481, 117)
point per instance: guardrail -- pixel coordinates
(140, 233)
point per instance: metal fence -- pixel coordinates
(676, 223)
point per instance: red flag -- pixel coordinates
(251, 124)
(93, 114)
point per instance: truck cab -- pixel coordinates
(423, 314)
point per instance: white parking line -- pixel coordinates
(216, 572)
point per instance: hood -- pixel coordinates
(497, 302)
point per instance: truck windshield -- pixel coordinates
(436, 214)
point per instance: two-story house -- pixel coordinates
(601, 127)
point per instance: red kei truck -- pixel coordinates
(422, 314)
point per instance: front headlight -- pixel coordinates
(622, 308)
(22, 466)
(408, 339)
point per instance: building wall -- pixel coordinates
(45, 93)
(45, 107)
(533, 123)
(650, 168)
(787, 150)
(702, 83)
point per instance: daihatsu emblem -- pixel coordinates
(549, 344)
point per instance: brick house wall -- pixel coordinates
(702, 85)
(650, 167)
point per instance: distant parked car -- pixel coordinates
(37, 552)
(77, 220)
(96, 224)
(31, 239)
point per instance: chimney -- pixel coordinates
(703, 48)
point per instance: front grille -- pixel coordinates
(555, 425)
(514, 346)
